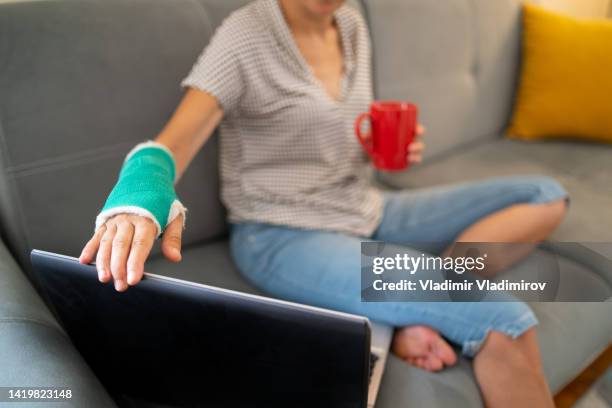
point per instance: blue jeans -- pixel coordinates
(304, 265)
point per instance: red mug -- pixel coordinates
(393, 127)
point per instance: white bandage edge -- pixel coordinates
(151, 143)
(176, 209)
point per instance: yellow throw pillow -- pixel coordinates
(566, 80)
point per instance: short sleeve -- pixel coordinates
(217, 70)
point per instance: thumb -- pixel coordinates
(171, 240)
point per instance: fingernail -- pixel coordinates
(120, 285)
(131, 277)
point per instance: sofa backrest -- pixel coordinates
(81, 82)
(456, 58)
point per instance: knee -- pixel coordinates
(551, 200)
(551, 214)
(557, 210)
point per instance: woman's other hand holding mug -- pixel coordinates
(416, 148)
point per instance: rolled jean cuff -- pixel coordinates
(549, 190)
(512, 329)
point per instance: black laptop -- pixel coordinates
(178, 343)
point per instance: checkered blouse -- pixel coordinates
(289, 155)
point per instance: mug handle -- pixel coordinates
(366, 146)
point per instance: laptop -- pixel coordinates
(177, 343)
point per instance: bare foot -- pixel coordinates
(423, 347)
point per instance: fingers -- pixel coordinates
(122, 243)
(415, 159)
(144, 237)
(171, 240)
(89, 250)
(420, 130)
(416, 147)
(104, 253)
(415, 152)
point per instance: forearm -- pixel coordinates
(190, 127)
(146, 182)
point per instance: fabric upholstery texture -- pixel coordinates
(81, 82)
(584, 169)
(457, 59)
(98, 77)
(30, 336)
(565, 83)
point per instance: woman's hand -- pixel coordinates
(124, 243)
(415, 149)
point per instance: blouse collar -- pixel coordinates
(285, 39)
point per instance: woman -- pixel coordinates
(288, 78)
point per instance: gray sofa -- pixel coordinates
(83, 81)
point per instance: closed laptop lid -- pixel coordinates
(186, 344)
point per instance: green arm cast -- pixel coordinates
(145, 187)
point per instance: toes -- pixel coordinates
(410, 361)
(399, 350)
(421, 362)
(444, 352)
(424, 348)
(430, 363)
(434, 364)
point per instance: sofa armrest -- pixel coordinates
(597, 256)
(34, 350)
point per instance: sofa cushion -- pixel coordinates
(404, 386)
(35, 355)
(97, 77)
(19, 302)
(588, 325)
(568, 279)
(560, 324)
(584, 169)
(565, 83)
(209, 264)
(34, 350)
(458, 59)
